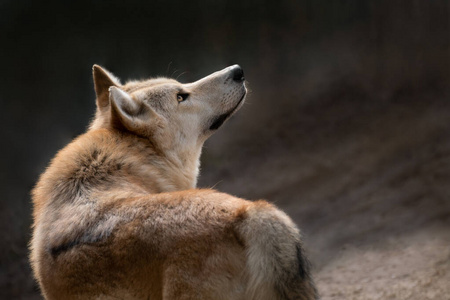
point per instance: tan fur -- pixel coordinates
(117, 215)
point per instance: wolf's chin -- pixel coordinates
(218, 121)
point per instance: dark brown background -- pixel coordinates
(347, 127)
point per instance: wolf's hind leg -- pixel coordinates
(204, 270)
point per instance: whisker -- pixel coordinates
(168, 68)
(173, 74)
(213, 187)
(181, 74)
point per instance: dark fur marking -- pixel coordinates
(55, 251)
(95, 154)
(297, 283)
(218, 122)
(86, 239)
(303, 265)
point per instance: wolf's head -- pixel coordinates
(166, 111)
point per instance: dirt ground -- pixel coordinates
(365, 179)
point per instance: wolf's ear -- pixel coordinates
(103, 80)
(130, 114)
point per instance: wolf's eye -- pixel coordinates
(181, 97)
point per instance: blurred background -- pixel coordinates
(346, 128)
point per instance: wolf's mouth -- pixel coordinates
(218, 121)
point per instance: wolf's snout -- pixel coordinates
(237, 73)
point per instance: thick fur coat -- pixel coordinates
(117, 215)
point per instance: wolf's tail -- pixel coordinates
(276, 266)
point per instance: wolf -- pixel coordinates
(117, 214)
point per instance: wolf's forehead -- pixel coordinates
(134, 86)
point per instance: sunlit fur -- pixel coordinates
(117, 215)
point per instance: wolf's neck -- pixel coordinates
(179, 169)
(163, 170)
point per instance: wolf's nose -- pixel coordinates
(237, 73)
